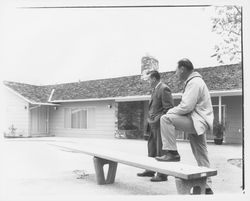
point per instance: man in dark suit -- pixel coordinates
(161, 101)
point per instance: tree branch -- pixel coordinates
(239, 10)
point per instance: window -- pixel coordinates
(79, 118)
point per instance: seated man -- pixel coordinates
(194, 115)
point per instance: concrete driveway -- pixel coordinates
(32, 168)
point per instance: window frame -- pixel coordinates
(81, 108)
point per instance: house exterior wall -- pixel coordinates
(233, 120)
(104, 120)
(16, 113)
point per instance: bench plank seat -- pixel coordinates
(176, 169)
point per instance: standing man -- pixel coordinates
(194, 115)
(161, 101)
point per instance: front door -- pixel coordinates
(39, 120)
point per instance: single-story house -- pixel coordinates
(101, 108)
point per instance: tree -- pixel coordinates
(227, 24)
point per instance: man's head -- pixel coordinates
(154, 78)
(184, 69)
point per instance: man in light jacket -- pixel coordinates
(194, 115)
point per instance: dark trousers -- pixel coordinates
(154, 140)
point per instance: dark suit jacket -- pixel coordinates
(161, 101)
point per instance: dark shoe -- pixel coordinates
(169, 157)
(209, 191)
(159, 177)
(146, 173)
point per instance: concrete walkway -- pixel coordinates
(33, 168)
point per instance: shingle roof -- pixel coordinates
(38, 94)
(226, 77)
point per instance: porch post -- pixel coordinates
(47, 120)
(116, 119)
(220, 108)
(29, 120)
(145, 108)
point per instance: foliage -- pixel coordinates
(127, 122)
(12, 130)
(218, 129)
(227, 24)
(128, 126)
(129, 115)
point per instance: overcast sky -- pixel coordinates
(48, 46)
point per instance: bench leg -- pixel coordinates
(184, 186)
(99, 163)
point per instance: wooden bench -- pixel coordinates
(187, 177)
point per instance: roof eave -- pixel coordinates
(233, 92)
(26, 99)
(236, 92)
(81, 100)
(37, 103)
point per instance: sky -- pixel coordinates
(49, 46)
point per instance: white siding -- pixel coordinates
(15, 113)
(104, 122)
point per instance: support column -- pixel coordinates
(196, 185)
(100, 177)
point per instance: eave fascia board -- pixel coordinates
(81, 100)
(133, 98)
(38, 103)
(237, 92)
(215, 93)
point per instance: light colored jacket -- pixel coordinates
(196, 102)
